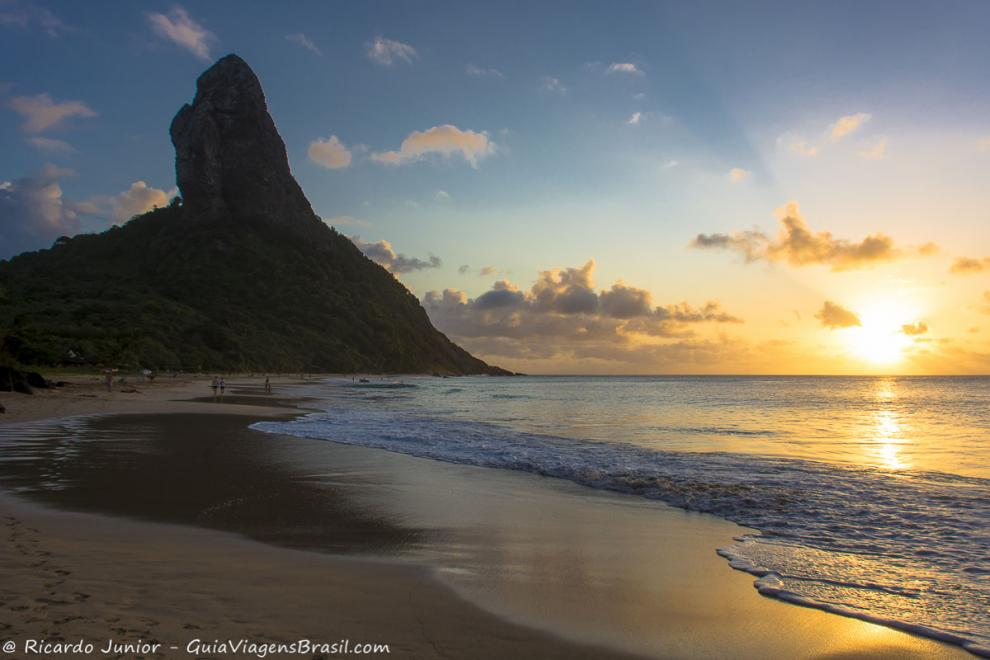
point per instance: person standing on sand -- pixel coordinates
(109, 381)
(214, 385)
(223, 386)
(268, 385)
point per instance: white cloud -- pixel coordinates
(635, 119)
(33, 211)
(42, 112)
(181, 29)
(551, 84)
(441, 196)
(137, 199)
(50, 145)
(387, 52)
(394, 262)
(803, 148)
(481, 72)
(623, 67)
(330, 153)
(876, 149)
(446, 140)
(738, 175)
(304, 41)
(848, 124)
(24, 16)
(670, 164)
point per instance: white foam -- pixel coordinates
(908, 550)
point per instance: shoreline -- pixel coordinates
(799, 624)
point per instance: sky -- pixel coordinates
(569, 187)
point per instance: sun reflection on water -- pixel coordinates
(889, 430)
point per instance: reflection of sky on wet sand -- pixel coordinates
(596, 566)
(590, 566)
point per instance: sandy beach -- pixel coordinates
(166, 518)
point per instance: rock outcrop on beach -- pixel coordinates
(239, 275)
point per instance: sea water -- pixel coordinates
(871, 495)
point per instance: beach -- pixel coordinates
(172, 521)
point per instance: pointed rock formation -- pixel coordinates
(229, 157)
(243, 276)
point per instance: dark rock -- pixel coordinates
(230, 160)
(36, 380)
(12, 380)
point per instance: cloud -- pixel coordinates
(482, 72)
(626, 302)
(330, 153)
(23, 16)
(914, 329)
(738, 175)
(623, 67)
(876, 150)
(847, 125)
(446, 141)
(33, 212)
(394, 262)
(386, 51)
(137, 199)
(635, 118)
(304, 41)
(463, 269)
(803, 148)
(50, 145)
(178, 27)
(833, 316)
(929, 249)
(42, 112)
(968, 266)
(441, 196)
(562, 314)
(797, 245)
(486, 271)
(553, 85)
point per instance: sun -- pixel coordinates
(880, 338)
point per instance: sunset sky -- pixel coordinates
(569, 187)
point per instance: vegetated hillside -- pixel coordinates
(169, 291)
(242, 275)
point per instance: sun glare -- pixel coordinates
(881, 339)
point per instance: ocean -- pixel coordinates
(869, 496)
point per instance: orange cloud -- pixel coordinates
(797, 245)
(446, 140)
(968, 266)
(834, 316)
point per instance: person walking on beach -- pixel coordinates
(268, 385)
(223, 386)
(214, 385)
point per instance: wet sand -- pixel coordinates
(143, 525)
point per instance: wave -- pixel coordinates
(907, 549)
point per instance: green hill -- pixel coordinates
(240, 276)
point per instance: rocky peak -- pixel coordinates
(229, 158)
